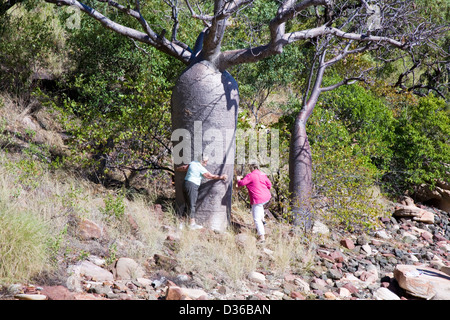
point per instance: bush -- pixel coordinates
(342, 175)
(422, 143)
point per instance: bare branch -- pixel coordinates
(205, 18)
(149, 37)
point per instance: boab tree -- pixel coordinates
(205, 98)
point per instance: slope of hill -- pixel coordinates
(64, 237)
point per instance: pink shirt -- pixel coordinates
(258, 186)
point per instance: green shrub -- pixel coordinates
(422, 143)
(342, 175)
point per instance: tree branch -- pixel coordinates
(149, 37)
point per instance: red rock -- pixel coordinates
(423, 282)
(347, 243)
(175, 293)
(438, 237)
(89, 230)
(289, 277)
(57, 293)
(87, 296)
(427, 236)
(337, 256)
(297, 295)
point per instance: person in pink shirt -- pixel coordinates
(258, 186)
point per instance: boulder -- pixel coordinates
(347, 243)
(127, 269)
(89, 230)
(439, 196)
(423, 282)
(88, 270)
(407, 209)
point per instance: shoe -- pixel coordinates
(194, 226)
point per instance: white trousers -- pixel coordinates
(258, 217)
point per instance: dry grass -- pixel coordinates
(52, 197)
(44, 198)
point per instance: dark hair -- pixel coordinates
(253, 166)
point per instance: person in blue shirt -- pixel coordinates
(195, 171)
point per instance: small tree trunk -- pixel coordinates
(300, 173)
(205, 104)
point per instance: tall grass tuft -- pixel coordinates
(23, 246)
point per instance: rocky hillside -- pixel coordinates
(407, 259)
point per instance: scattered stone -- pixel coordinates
(89, 230)
(334, 274)
(383, 234)
(351, 288)
(347, 243)
(366, 249)
(385, 294)
(297, 295)
(127, 269)
(344, 293)
(257, 277)
(409, 210)
(370, 276)
(320, 228)
(195, 294)
(57, 293)
(302, 285)
(24, 296)
(92, 271)
(329, 295)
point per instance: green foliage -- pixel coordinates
(114, 207)
(422, 143)
(54, 245)
(31, 41)
(342, 174)
(359, 142)
(369, 122)
(406, 139)
(115, 103)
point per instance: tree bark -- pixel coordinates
(300, 159)
(205, 104)
(300, 173)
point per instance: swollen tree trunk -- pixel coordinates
(205, 105)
